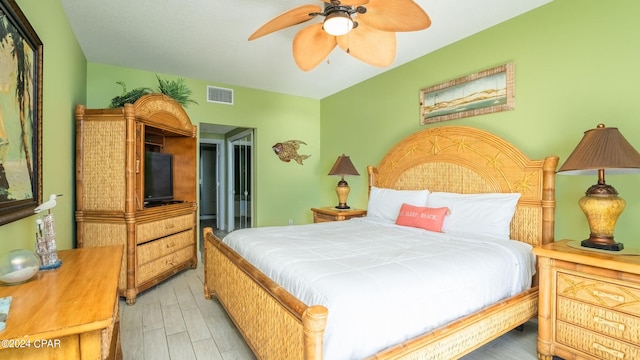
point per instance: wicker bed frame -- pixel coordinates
(276, 325)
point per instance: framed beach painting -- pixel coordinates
(20, 115)
(484, 92)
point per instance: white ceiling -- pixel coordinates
(207, 39)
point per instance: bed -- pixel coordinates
(462, 160)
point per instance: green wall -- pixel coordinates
(283, 190)
(64, 84)
(576, 64)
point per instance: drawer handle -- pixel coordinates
(170, 245)
(618, 298)
(613, 324)
(615, 353)
(169, 226)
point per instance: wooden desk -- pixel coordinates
(67, 313)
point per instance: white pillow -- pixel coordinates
(486, 214)
(386, 203)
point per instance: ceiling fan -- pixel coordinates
(370, 39)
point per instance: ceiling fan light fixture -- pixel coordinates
(337, 23)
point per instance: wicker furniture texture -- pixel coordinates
(65, 313)
(110, 145)
(330, 213)
(589, 304)
(276, 325)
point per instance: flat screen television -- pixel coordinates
(158, 177)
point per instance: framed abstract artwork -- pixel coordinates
(20, 115)
(484, 92)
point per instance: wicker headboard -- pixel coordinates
(468, 160)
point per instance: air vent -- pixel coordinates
(219, 95)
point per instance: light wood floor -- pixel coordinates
(174, 321)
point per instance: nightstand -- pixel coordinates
(330, 213)
(589, 303)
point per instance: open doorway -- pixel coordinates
(211, 198)
(226, 178)
(241, 177)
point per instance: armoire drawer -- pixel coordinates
(156, 229)
(599, 319)
(151, 269)
(156, 249)
(599, 292)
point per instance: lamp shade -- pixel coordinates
(343, 166)
(602, 148)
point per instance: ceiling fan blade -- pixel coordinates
(349, 2)
(292, 17)
(396, 15)
(374, 47)
(311, 45)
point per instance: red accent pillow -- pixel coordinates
(422, 217)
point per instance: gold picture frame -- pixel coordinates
(20, 115)
(484, 92)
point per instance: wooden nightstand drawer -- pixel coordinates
(325, 214)
(599, 346)
(598, 292)
(599, 319)
(319, 217)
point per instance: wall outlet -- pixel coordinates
(290, 221)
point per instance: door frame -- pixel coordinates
(220, 180)
(230, 163)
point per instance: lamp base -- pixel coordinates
(343, 193)
(611, 247)
(602, 206)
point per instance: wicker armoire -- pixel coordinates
(159, 240)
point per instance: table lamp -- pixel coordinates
(342, 167)
(602, 149)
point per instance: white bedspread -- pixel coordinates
(384, 283)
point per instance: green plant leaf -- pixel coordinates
(176, 89)
(128, 97)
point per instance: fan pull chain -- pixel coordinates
(348, 50)
(348, 42)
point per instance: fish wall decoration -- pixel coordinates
(288, 150)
